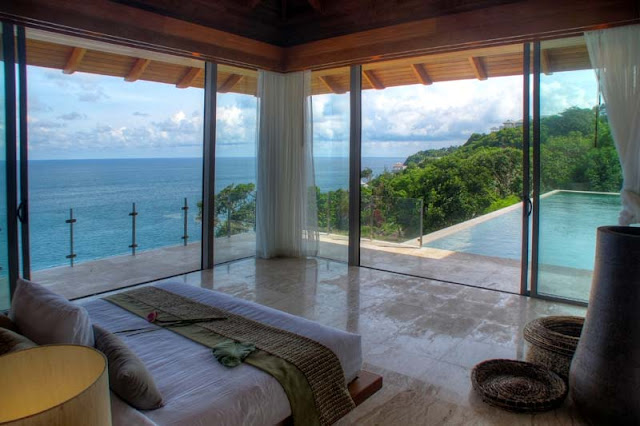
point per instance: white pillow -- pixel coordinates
(46, 317)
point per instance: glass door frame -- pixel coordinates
(355, 166)
(16, 145)
(23, 153)
(11, 141)
(526, 167)
(535, 232)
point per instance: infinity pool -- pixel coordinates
(568, 222)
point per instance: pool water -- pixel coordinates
(568, 222)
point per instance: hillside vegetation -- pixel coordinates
(452, 185)
(484, 174)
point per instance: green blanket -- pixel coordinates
(231, 354)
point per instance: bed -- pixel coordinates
(200, 391)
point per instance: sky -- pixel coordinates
(82, 116)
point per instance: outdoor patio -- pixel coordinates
(111, 273)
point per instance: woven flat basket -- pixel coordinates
(518, 386)
(553, 341)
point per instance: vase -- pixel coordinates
(604, 380)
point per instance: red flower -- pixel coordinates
(152, 316)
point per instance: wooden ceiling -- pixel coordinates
(292, 22)
(373, 30)
(72, 54)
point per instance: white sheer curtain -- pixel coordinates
(615, 55)
(286, 217)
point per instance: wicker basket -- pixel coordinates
(553, 341)
(518, 386)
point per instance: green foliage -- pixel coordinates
(430, 154)
(502, 203)
(455, 184)
(485, 174)
(235, 208)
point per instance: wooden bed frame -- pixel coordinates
(364, 386)
(361, 389)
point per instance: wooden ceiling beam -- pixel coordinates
(113, 22)
(228, 84)
(545, 62)
(74, 60)
(511, 23)
(421, 74)
(478, 67)
(331, 84)
(372, 79)
(188, 77)
(137, 69)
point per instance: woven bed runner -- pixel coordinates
(309, 372)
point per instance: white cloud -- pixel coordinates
(397, 121)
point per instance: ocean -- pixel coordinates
(101, 194)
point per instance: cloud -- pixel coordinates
(92, 94)
(72, 116)
(176, 131)
(560, 91)
(235, 125)
(37, 105)
(82, 86)
(140, 114)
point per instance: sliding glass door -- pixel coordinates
(9, 244)
(235, 164)
(580, 174)
(115, 164)
(442, 168)
(331, 91)
(4, 225)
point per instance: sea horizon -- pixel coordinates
(102, 191)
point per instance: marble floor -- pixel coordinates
(423, 336)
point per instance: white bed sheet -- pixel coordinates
(197, 389)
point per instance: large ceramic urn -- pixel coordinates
(605, 373)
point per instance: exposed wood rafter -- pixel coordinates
(421, 74)
(228, 84)
(545, 63)
(332, 85)
(74, 60)
(478, 67)
(137, 69)
(373, 80)
(188, 78)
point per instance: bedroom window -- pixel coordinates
(441, 155)
(580, 174)
(115, 167)
(235, 164)
(330, 103)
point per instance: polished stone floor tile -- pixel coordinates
(423, 336)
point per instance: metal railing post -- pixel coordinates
(328, 212)
(421, 220)
(71, 221)
(371, 219)
(185, 209)
(133, 215)
(228, 216)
